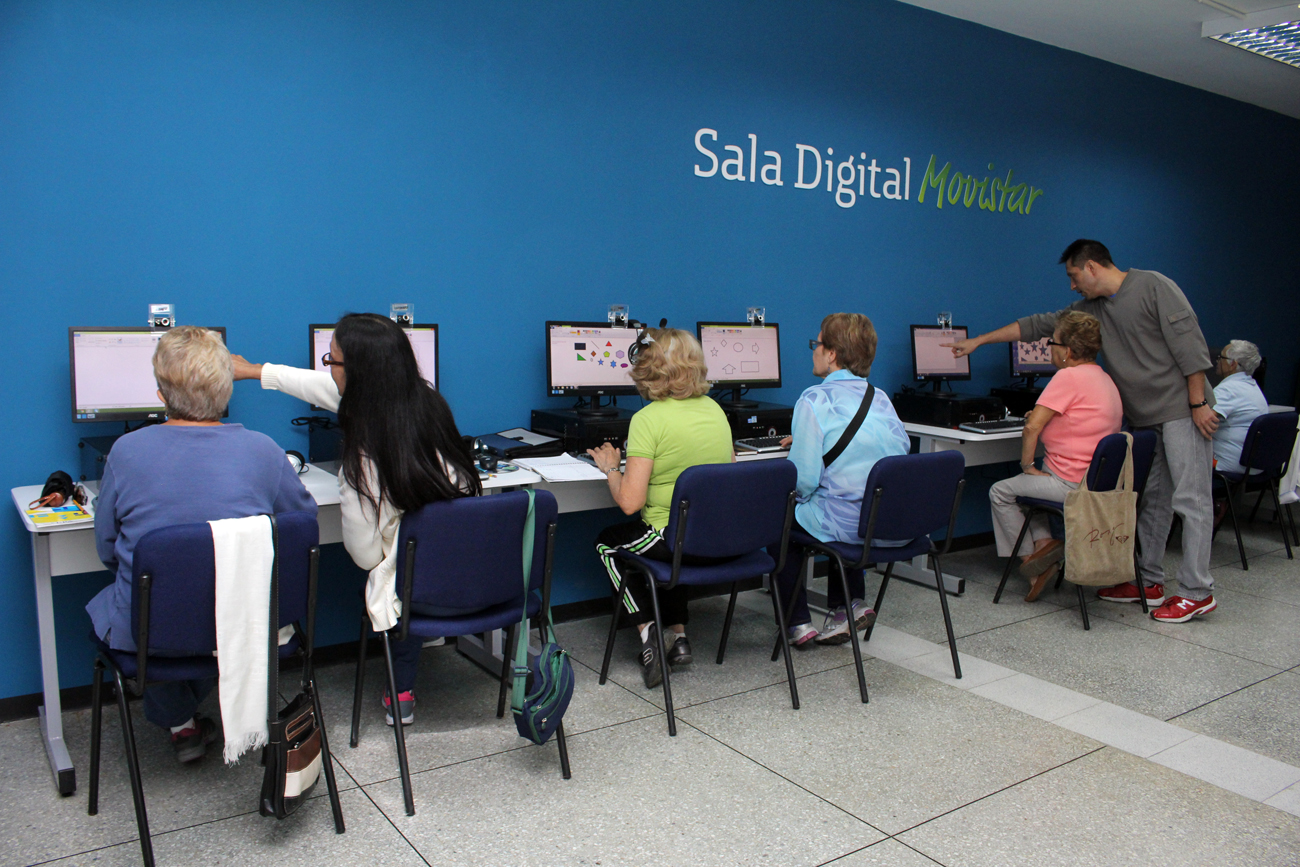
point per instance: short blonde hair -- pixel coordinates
(672, 366)
(853, 338)
(194, 373)
(1081, 334)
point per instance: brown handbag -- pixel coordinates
(1099, 531)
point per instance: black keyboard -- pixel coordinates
(1003, 424)
(762, 444)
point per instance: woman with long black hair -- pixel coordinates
(401, 449)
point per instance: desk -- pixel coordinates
(978, 449)
(71, 550)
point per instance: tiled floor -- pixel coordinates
(1133, 743)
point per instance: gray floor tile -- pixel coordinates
(1229, 767)
(1271, 576)
(886, 853)
(917, 750)
(975, 672)
(307, 838)
(1113, 662)
(40, 825)
(1288, 799)
(747, 664)
(455, 714)
(1111, 808)
(891, 645)
(1038, 698)
(1125, 729)
(637, 797)
(1264, 718)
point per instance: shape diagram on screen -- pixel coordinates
(740, 353)
(585, 356)
(1037, 352)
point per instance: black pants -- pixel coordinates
(786, 578)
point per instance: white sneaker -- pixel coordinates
(836, 628)
(801, 634)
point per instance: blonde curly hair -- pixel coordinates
(194, 373)
(671, 367)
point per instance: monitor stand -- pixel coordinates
(735, 401)
(595, 410)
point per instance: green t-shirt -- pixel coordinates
(676, 434)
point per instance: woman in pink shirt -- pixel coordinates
(1077, 408)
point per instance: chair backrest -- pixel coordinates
(1269, 442)
(469, 551)
(1108, 462)
(917, 494)
(182, 598)
(734, 508)
(1144, 453)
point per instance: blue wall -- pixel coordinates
(263, 165)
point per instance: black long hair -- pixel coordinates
(392, 417)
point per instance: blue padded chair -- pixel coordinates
(466, 554)
(720, 511)
(906, 497)
(173, 604)
(1267, 450)
(1103, 475)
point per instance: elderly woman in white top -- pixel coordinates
(401, 450)
(1237, 400)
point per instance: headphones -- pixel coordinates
(297, 461)
(643, 339)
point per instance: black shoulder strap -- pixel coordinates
(852, 430)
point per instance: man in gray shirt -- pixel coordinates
(1154, 350)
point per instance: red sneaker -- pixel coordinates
(1129, 593)
(1180, 610)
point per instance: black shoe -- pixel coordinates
(652, 671)
(680, 652)
(190, 744)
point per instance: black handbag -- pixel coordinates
(292, 755)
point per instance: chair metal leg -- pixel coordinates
(880, 598)
(507, 666)
(1083, 606)
(657, 635)
(327, 758)
(726, 624)
(609, 642)
(133, 770)
(1290, 516)
(794, 594)
(1232, 516)
(947, 615)
(1006, 572)
(96, 725)
(853, 629)
(784, 644)
(361, 680)
(564, 752)
(1277, 504)
(402, 764)
(1254, 511)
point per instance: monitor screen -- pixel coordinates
(112, 373)
(424, 340)
(738, 353)
(931, 360)
(1031, 359)
(588, 358)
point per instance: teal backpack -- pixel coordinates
(543, 688)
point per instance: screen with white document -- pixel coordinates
(112, 373)
(931, 360)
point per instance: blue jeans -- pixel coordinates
(173, 703)
(797, 608)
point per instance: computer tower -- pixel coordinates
(946, 409)
(580, 432)
(1019, 400)
(758, 420)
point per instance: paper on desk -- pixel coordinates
(563, 468)
(525, 436)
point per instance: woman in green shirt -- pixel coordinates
(681, 427)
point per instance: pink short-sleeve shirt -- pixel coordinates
(1089, 408)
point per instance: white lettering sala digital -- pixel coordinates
(854, 179)
(849, 180)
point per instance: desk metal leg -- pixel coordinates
(488, 649)
(918, 571)
(51, 714)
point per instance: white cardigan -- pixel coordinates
(370, 539)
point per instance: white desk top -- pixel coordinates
(956, 435)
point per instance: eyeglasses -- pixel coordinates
(814, 343)
(1054, 343)
(1222, 357)
(328, 360)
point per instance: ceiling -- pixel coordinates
(1160, 37)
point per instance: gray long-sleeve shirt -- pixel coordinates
(1151, 342)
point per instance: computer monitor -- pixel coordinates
(931, 360)
(1031, 359)
(112, 373)
(741, 355)
(588, 359)
(424, 340)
